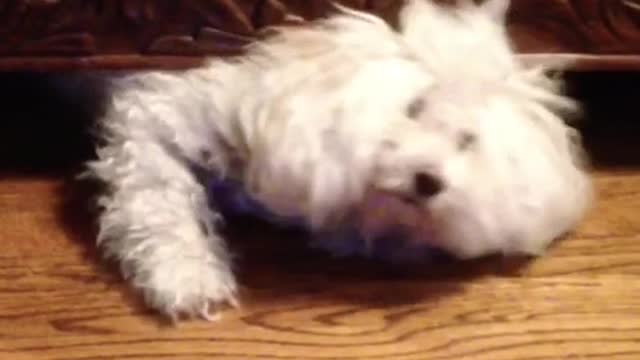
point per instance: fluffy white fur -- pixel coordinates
(313, 119)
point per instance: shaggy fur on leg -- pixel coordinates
(319, 122)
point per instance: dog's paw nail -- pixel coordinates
(207, 314)
(233, 302)
(211, 317)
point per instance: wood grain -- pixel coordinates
(582, 300)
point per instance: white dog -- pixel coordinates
(439, 114)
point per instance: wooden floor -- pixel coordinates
(580, 301)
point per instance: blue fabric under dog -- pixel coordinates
(391, 246)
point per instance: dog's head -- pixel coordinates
(483, 153)
(439, 113)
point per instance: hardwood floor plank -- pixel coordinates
(581, 300)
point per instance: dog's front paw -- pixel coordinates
(188, 287)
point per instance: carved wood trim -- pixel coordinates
(609, 27)
(64, 34)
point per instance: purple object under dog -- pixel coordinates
(390, 246)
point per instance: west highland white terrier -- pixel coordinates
(322, 121)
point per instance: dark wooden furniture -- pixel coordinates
(80, 34)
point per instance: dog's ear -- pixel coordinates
(417, 18)
(496, 9)
(415, 9)
(416, 15)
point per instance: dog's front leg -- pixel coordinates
(158, 225)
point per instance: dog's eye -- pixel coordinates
(466, 140)
(390, 144)
(415, 108)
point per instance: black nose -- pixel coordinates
(427, 185)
